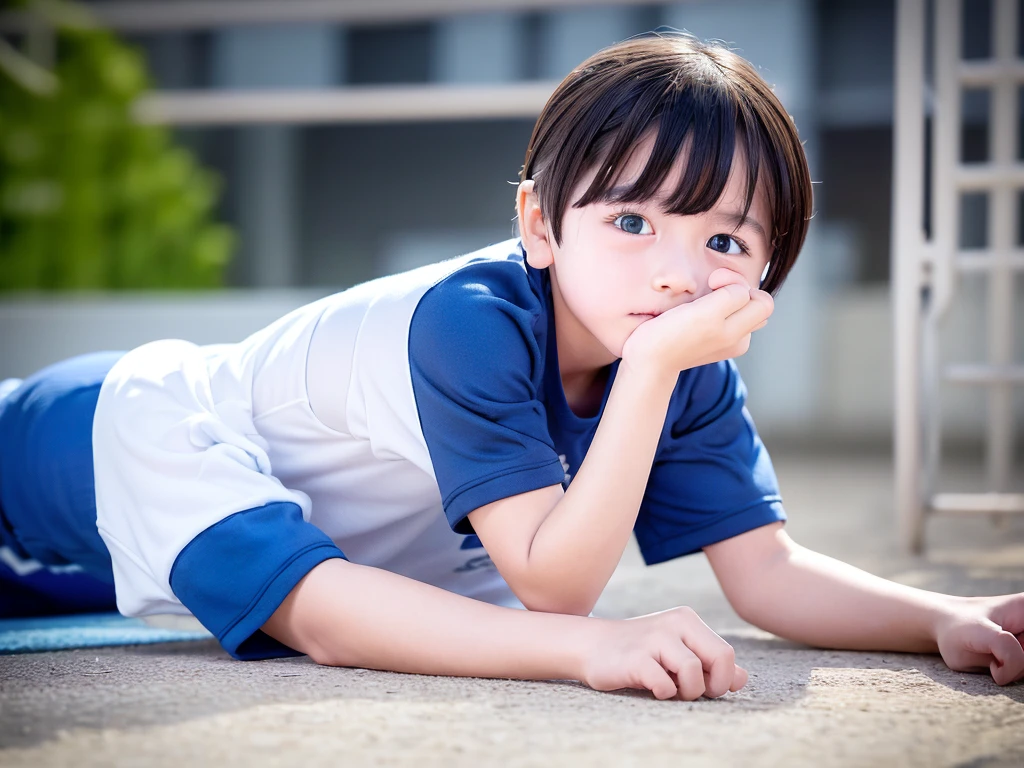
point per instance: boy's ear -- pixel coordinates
(532, 227)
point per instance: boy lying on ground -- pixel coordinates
(386, 477)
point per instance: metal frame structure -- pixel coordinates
(925, 270)
(356, 104)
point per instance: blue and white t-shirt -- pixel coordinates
(368, 425)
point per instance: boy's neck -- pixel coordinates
(583, 362)
(585, 392)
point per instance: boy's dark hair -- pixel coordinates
(685, 90)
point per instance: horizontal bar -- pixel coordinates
(987, 73)
(128, 16)
(977, 503)
(377, 104)
(983, 177)
(986, 261)
(980, 373)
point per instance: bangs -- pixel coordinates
(708, 151)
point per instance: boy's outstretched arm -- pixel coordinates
(344, 614)
(802, 595)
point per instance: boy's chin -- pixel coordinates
(614, 349)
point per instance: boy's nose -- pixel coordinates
(678, 275)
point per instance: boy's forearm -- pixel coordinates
(578, 545)
(343, 614)
(814, 599)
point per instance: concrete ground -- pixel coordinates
(189, 703)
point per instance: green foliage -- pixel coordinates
(90, 199)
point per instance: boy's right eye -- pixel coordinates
(632, 223)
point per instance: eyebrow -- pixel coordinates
(735, 218)
(738, 220)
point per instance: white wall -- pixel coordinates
(854, 368)
(38, 331)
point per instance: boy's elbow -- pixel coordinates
(742, 610)
(747, 602)
(305, 635)
(332, 656)
(570, 605)
(544, 590)
(554, 606)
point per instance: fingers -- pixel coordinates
(717, 657)
(988, 646)
(721, 675)
(723, 302)
(695, 679)
(654, 678)
(1009, 613)
(679, 656)
(1008, 662)
(751, 315)
(734, 307)
(739, 679)
(723, 277)
(688, 671)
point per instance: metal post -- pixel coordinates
(999, 445)
(907, 247)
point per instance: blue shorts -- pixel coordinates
(52, 559)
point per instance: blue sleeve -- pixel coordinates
(712, 478)
(477, 368)
(235, 574)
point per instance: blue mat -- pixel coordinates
(85, 630)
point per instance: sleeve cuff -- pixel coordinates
(656, 550)
(235, 574)
(509, 483)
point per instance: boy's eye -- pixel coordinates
(633, 224)
(725, 244)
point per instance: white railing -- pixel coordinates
(358, 104)
(926, 271)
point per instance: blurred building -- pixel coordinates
(362, 138)
(351, 193)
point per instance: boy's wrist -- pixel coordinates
(947, 611)
(647, 377)
(944, 613)
(585, 641)
(571, 643)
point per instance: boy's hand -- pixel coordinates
(714, 327)
(672, 653)
(985, 633)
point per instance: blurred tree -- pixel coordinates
(90, 199)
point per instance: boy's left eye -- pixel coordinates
(725, 244)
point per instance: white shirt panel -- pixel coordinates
(185, 436)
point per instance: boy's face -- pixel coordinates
(620, 264)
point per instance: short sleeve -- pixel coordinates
(476, 368)
(187, 503)
(234, 575)
(712, 478)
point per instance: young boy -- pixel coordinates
(382, 478)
